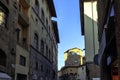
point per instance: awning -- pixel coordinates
(4, 76)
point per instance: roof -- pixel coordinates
(77, 50)
(55, 28)
(82, 16)
(51, 7)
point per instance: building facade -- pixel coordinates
(7, 39)
(108, 24)
(73, 57)
(43, 40)
(68, 73)
(89, 29)
(29, 40)
(73, 60)
(22, 40)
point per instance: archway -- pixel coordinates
(3, 58)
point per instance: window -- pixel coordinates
(36, 41)
(46, 22)
(76, 61)
(3, 18)
(36, 66)
(41, 68)
(49, 29)
(22, 60)
(46, 50)
(21, 77)
(3, 58)
(42, 16)
(36, 7)
(18, 34)
(42, 46)
(49, 54)
(73, 53)
(82, 68)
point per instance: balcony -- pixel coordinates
(23, 19)
(25, 3)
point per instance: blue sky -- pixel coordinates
(68, 18)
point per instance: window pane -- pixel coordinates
(36, 41)
(42, 47)
(22, 60)
(36, 7)
(2, 18)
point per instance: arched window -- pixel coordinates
(3, 18)
(42, 15)
(46, 51)
(36, 41)
(46, 22)
(36, 7)
(42, 46)
(3, 58)
(49, 54)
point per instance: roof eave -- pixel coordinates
(52, 8)
(82, 16)
(56, 31)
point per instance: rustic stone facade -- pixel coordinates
(7, 39)
(28, 39)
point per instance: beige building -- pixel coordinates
(73, 60)
(89, 29)
(73, 57)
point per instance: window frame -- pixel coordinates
(3, 24)
(42, 47)
(42, 15)
(3, 58)
(22, 60)
(36, 41)
(36, 6)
